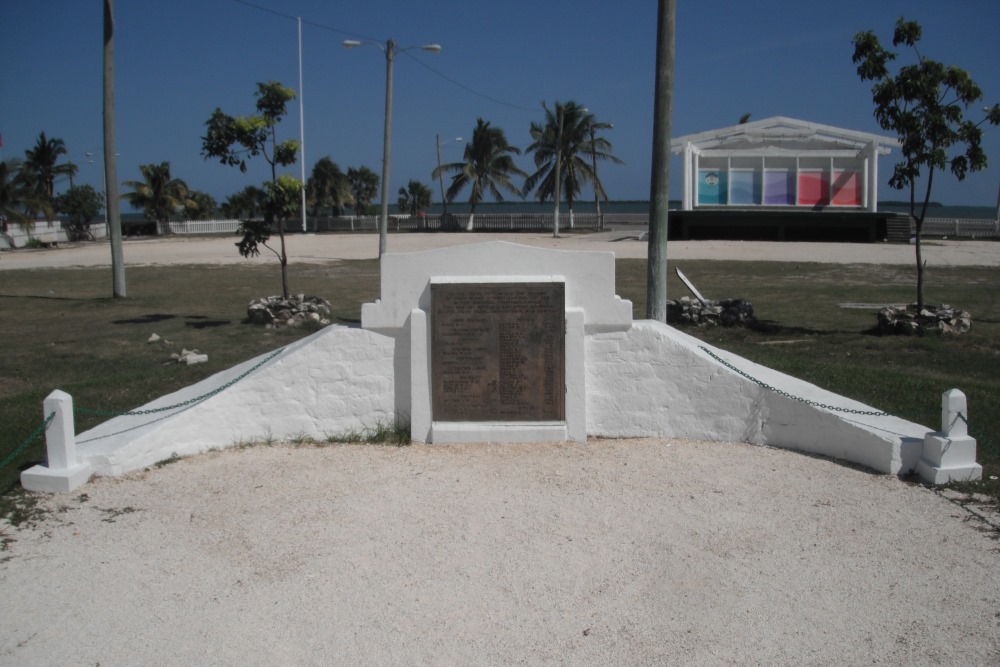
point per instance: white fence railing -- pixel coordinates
(976, 228)
(205, 227)
(42, 231)
(482, 222)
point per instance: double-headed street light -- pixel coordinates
(390, 49)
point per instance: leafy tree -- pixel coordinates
(19, 197)
(159, 195)
(487, 166)
(80, 204)
(233, 139)
(41, 162)
(247, 203)
(565, 134)
(414, 198)
(923, 103)
(200, 206)
(282, 200)
(328, 188)
(364, 186)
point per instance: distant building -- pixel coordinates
(781, 163)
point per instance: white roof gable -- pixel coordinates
(784, 132)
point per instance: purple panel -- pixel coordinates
(779, 188)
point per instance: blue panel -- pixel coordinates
(745, 187)
(711, 187)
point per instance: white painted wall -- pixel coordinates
(46, 231)
(656, 380)
(624, 379)
(337, 380)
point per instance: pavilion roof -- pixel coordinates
(783, 133)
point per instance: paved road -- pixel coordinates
(624, 243)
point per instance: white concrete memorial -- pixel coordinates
(619, 378)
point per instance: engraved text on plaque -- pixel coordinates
(497, 351)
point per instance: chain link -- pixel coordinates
(867, 413)
(190, 401)
(27, 441)
(979, 435)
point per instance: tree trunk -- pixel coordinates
(283, 259)
(656, 261)
(919, 234)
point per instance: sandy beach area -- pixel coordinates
(608, 552)
(623, 242)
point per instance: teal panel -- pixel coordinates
(712, 187)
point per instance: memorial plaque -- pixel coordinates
(498, 351)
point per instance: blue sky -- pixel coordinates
(177, 61)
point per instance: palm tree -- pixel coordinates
(487, 167)
(328, 187)
(18, 196)
(247, 203)
(159, 195)
(364, 185)
(41, 160)
(200, 206)
(566, 138)
(414, 198)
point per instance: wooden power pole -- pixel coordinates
(656, 263)
(110, 161)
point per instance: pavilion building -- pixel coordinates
(781, 178)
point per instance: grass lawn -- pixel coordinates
(63, 331)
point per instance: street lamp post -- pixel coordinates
(555, 219)
(444, 201)
(390, 51)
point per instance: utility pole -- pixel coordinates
(444, 201)
(656, 262)
(110, 161)
(302, 132)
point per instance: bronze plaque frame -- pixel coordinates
(498, 351)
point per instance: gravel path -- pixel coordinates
(611, 552)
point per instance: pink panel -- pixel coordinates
(814, 189)
(846, 188)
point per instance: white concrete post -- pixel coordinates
(60, 436)
(63, 472)
(950, 454)
(873, 176)
(953, 404)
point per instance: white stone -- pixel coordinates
(63, 471)
(949, 460)
(954, 411)
(623, 379)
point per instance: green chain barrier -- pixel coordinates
(190, 401)
(27, 441)
(979, 435)
(867, 413)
